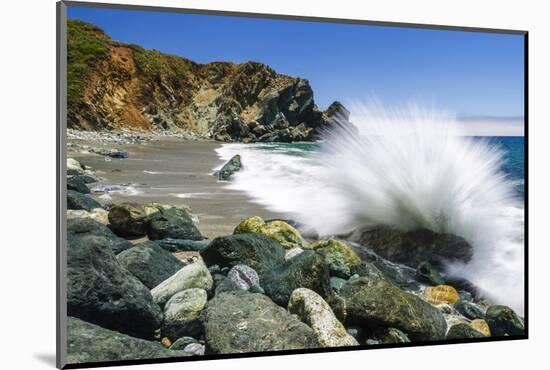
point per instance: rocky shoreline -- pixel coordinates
(143, 282)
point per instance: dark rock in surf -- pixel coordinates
(228, 169)
(426, 273)
(88, 343)
(101, 291)
(469, 310)
(243, 322)
(503, 321)
(128, 219)
(77, 200)
(173, 223)
(149, 263)
(462, 331)
(79, 227)
(413, 247)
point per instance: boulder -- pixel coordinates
(149, 263)
(223, 284)
(101, 291)
(469, 310)
(194, 275)
(76, 200)
(307, 270)
(317, 314)
(255, 250)
(182, 245)
(373, 302)
(229, 168)
(278, 230)
(195, 349)
(128, 219)
(244, 277)
(338, 256)
(88, 343)
(77, 183)
(97, 214)
(174, 223)
(481, 326)
(74, 167)
(503, 321)
(79, 227)
(441, 294)
(462, 331)
(181, 314)
(182, 342)
(388, 335)
(243, 322)
(413, 247)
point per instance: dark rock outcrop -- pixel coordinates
(228, 169)
(503, 321)
(101, 291)
(149, 263)
(243, 322)
(77, 183)
(88, 343)
(413, 247)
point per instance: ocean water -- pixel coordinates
(469, 186)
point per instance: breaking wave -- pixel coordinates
(403, 169)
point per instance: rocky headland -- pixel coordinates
(116, 86)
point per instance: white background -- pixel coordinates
(27, 205)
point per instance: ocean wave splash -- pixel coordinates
(406, 169)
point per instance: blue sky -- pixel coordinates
(470, 74)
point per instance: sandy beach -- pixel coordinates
(176, 172)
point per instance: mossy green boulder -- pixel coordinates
(338, 256)
(278, 230)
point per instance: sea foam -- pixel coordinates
(405, 169)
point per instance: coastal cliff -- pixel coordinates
(112, 85)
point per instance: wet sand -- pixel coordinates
(176, 172)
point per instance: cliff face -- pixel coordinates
(113, 85)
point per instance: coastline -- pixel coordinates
(170, 170)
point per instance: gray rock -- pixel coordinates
(243, 276)
(243, 322)
(372, 301)
(426, 273)
(182, 342)
(79, 227)
(317, 314)
(503, 321)
(229, 168)
(181, 314)
(194, 275)
(101, 291)
(88, 343)
(174, 223)
(149, 263)
(223, 284)
(76, 200)
(196, 349)
(74, 167)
